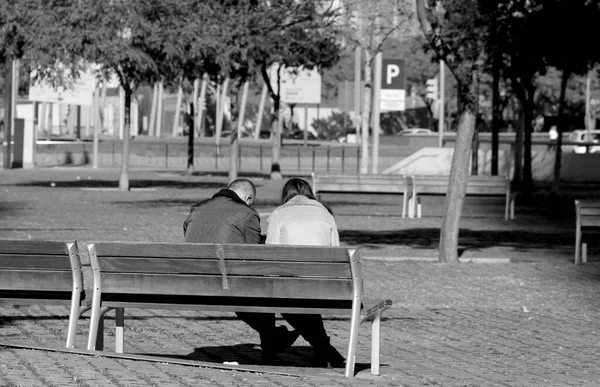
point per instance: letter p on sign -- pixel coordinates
(394, 74)
(392, 71)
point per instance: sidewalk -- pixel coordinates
(531, 322)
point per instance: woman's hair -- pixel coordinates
(294, 187)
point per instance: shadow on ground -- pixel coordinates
(132, 184)
(249, 354)
(428, 238)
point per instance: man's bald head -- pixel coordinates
(245, 189)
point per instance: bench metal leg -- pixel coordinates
(577, 243)
(99, 345)
(74, 314)
(351, 359)
(375, 343)
(120, 322)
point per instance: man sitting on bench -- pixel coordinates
(229, 218)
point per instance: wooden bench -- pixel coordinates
(228, 278)
(384, 184)
(41, 273)
(476, 186)
(587, 218)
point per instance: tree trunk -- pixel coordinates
(276, 125)
(527, 185)
(561, 119)
(124, 180)
(459, 174)
(236, 132)
(496, 107)
(475, 152)
(191, 130)
(153, 110)
(366, 115)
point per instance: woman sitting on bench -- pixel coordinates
(303, 220)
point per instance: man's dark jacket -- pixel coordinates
(224, 218)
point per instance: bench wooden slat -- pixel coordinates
(29, 247)
(233, 267)
(36, 280)
(360, 187)
(590, 221)
(34, 262)
(589, 211)
(231, 308)
(230, 251)
(238, 286)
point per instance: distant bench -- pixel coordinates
(476, 186)
(412, 186)
(587, 218)
(364, 183)
(230, 278)
(42, 273)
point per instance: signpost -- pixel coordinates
(393, 89)
(389, 94)
(74, 91)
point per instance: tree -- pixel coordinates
(578, 18)
(456, 32)
(370, 24)
(124, 39)
(288, 34)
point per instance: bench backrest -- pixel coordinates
(38, 270)
(217, 270)
(588, 212)
(374, 183)
(476, 185)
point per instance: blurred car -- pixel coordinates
(583, 136)
(410, 131)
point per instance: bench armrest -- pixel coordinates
(376, 310)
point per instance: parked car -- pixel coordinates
(410, 131)
(583, 136)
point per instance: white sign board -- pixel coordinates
(75, 92)
(298, 85)
(392, 100)
(393, 91)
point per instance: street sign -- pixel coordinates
(393, 90)
(298, 85)
(73, 91)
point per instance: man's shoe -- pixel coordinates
(328, 357)
(281, 341)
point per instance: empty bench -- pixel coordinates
(587, 218)
(365, 183)
(476, 186)
(231, 278)
(42, 273)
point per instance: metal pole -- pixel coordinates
(357, 92)
(96, 132)
(376, 109)
(8, 119)
(167, 155)
(441, 114)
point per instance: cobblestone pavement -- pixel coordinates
(531, 322)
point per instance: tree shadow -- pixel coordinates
(133, 183)
(427, 238)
